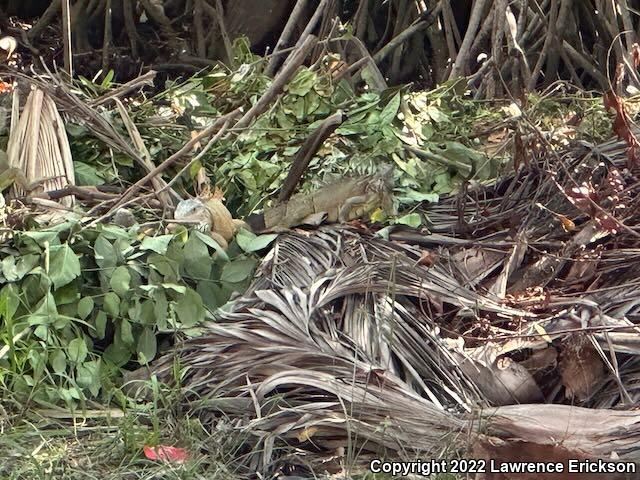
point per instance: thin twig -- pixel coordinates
(66, 37)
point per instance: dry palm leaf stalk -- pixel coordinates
(349, 341)
(38, 146)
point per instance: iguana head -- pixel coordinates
(381, 184)
(194, 210)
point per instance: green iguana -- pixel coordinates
(341, 201)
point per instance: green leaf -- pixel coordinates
(302, 83)
(77, 350)
(120, 281)
(197, 260)
(211, 295)
(207, 240)
(413, 220)
(43, 237)
(189, 308)
(42, 332)
(46, 311)
(160, 309)
(9, 268)
(64, 265)
(237, 271)
(87, 175)
(117, 353)
(88, 376)
(436, 114)
(415, 196)
(111, 304)
(175, 287)
(147, 345)
(157, 244)
(390, 111)
(101, 325)
(104, 253)
(126, 333)
(58, 361)
(85, 307)
(249, 242)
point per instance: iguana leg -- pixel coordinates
(241, 224)
(16, 176)
(345, 209)
(219, 240)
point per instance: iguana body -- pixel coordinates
(341, 201)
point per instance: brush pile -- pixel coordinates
(520, 293)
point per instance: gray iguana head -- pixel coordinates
(193, 210)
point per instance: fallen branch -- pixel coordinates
(306, 153)
(124, 89)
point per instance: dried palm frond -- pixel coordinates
(348, 340)
(38, 146)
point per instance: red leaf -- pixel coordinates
(5, 87)
(165, 453)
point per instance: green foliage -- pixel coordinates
(380, 127)
(77, 305)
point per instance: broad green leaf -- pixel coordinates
(207, 240)
(147, 345)
(413, 220)
(189, 309)
(87, 175)
(117, 353)
(160, 309)
(211, 295)
(25, 264)
(126, 333)
(249, 242)
(197, 260)
(147, 314)
(302, 83)
(104, 253)
(157, 244)
(9, 268)
(66, 296)
(9, 302)
(85, 307)
(101, 325)
(46, 311)
(42, 238)
(175, 287)
(411, 195)
(436, 114)
(168, 268)
(88, 375)
(237, 270)
(120, 281)
(42, 332)
(64, 265)
(111, 304)
(77, 350)
(390, 110)
(58, 361)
